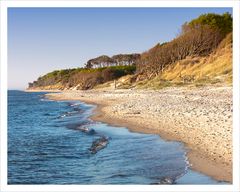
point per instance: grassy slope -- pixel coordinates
(213, 69)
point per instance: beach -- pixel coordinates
(200, 117)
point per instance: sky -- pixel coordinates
(41, 40)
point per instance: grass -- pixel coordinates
(212, 69)
(195, 71)
(104, 85)
(156, 83)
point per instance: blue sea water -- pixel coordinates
(47, 144)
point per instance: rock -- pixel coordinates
(87, 130)
(98, 145)
(165, 181)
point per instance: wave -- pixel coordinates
(173, 180)
(74, 104)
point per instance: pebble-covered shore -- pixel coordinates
(199, 117)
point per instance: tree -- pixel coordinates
(198, 38)
(215, 21)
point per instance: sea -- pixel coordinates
(56, 142)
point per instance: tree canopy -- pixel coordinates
(221, 22)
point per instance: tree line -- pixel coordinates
(198, 37)
(115, 60)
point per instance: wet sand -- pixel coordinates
(201, 118)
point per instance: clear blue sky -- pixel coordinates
(44, 39)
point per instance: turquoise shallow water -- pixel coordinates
(49, 143)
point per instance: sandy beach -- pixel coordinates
(201, 118)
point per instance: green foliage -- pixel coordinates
(222, 22)
(87, 77)
(129, 69)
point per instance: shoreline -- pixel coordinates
(198, 160)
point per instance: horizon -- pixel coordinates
(38, 37)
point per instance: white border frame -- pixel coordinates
(168, 3)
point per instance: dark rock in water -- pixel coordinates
(165, 181)
(67, 114)
(91, 132)
(83, 129)
(77, 110)
(87, 130)
(78, 126)
(98, 145)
